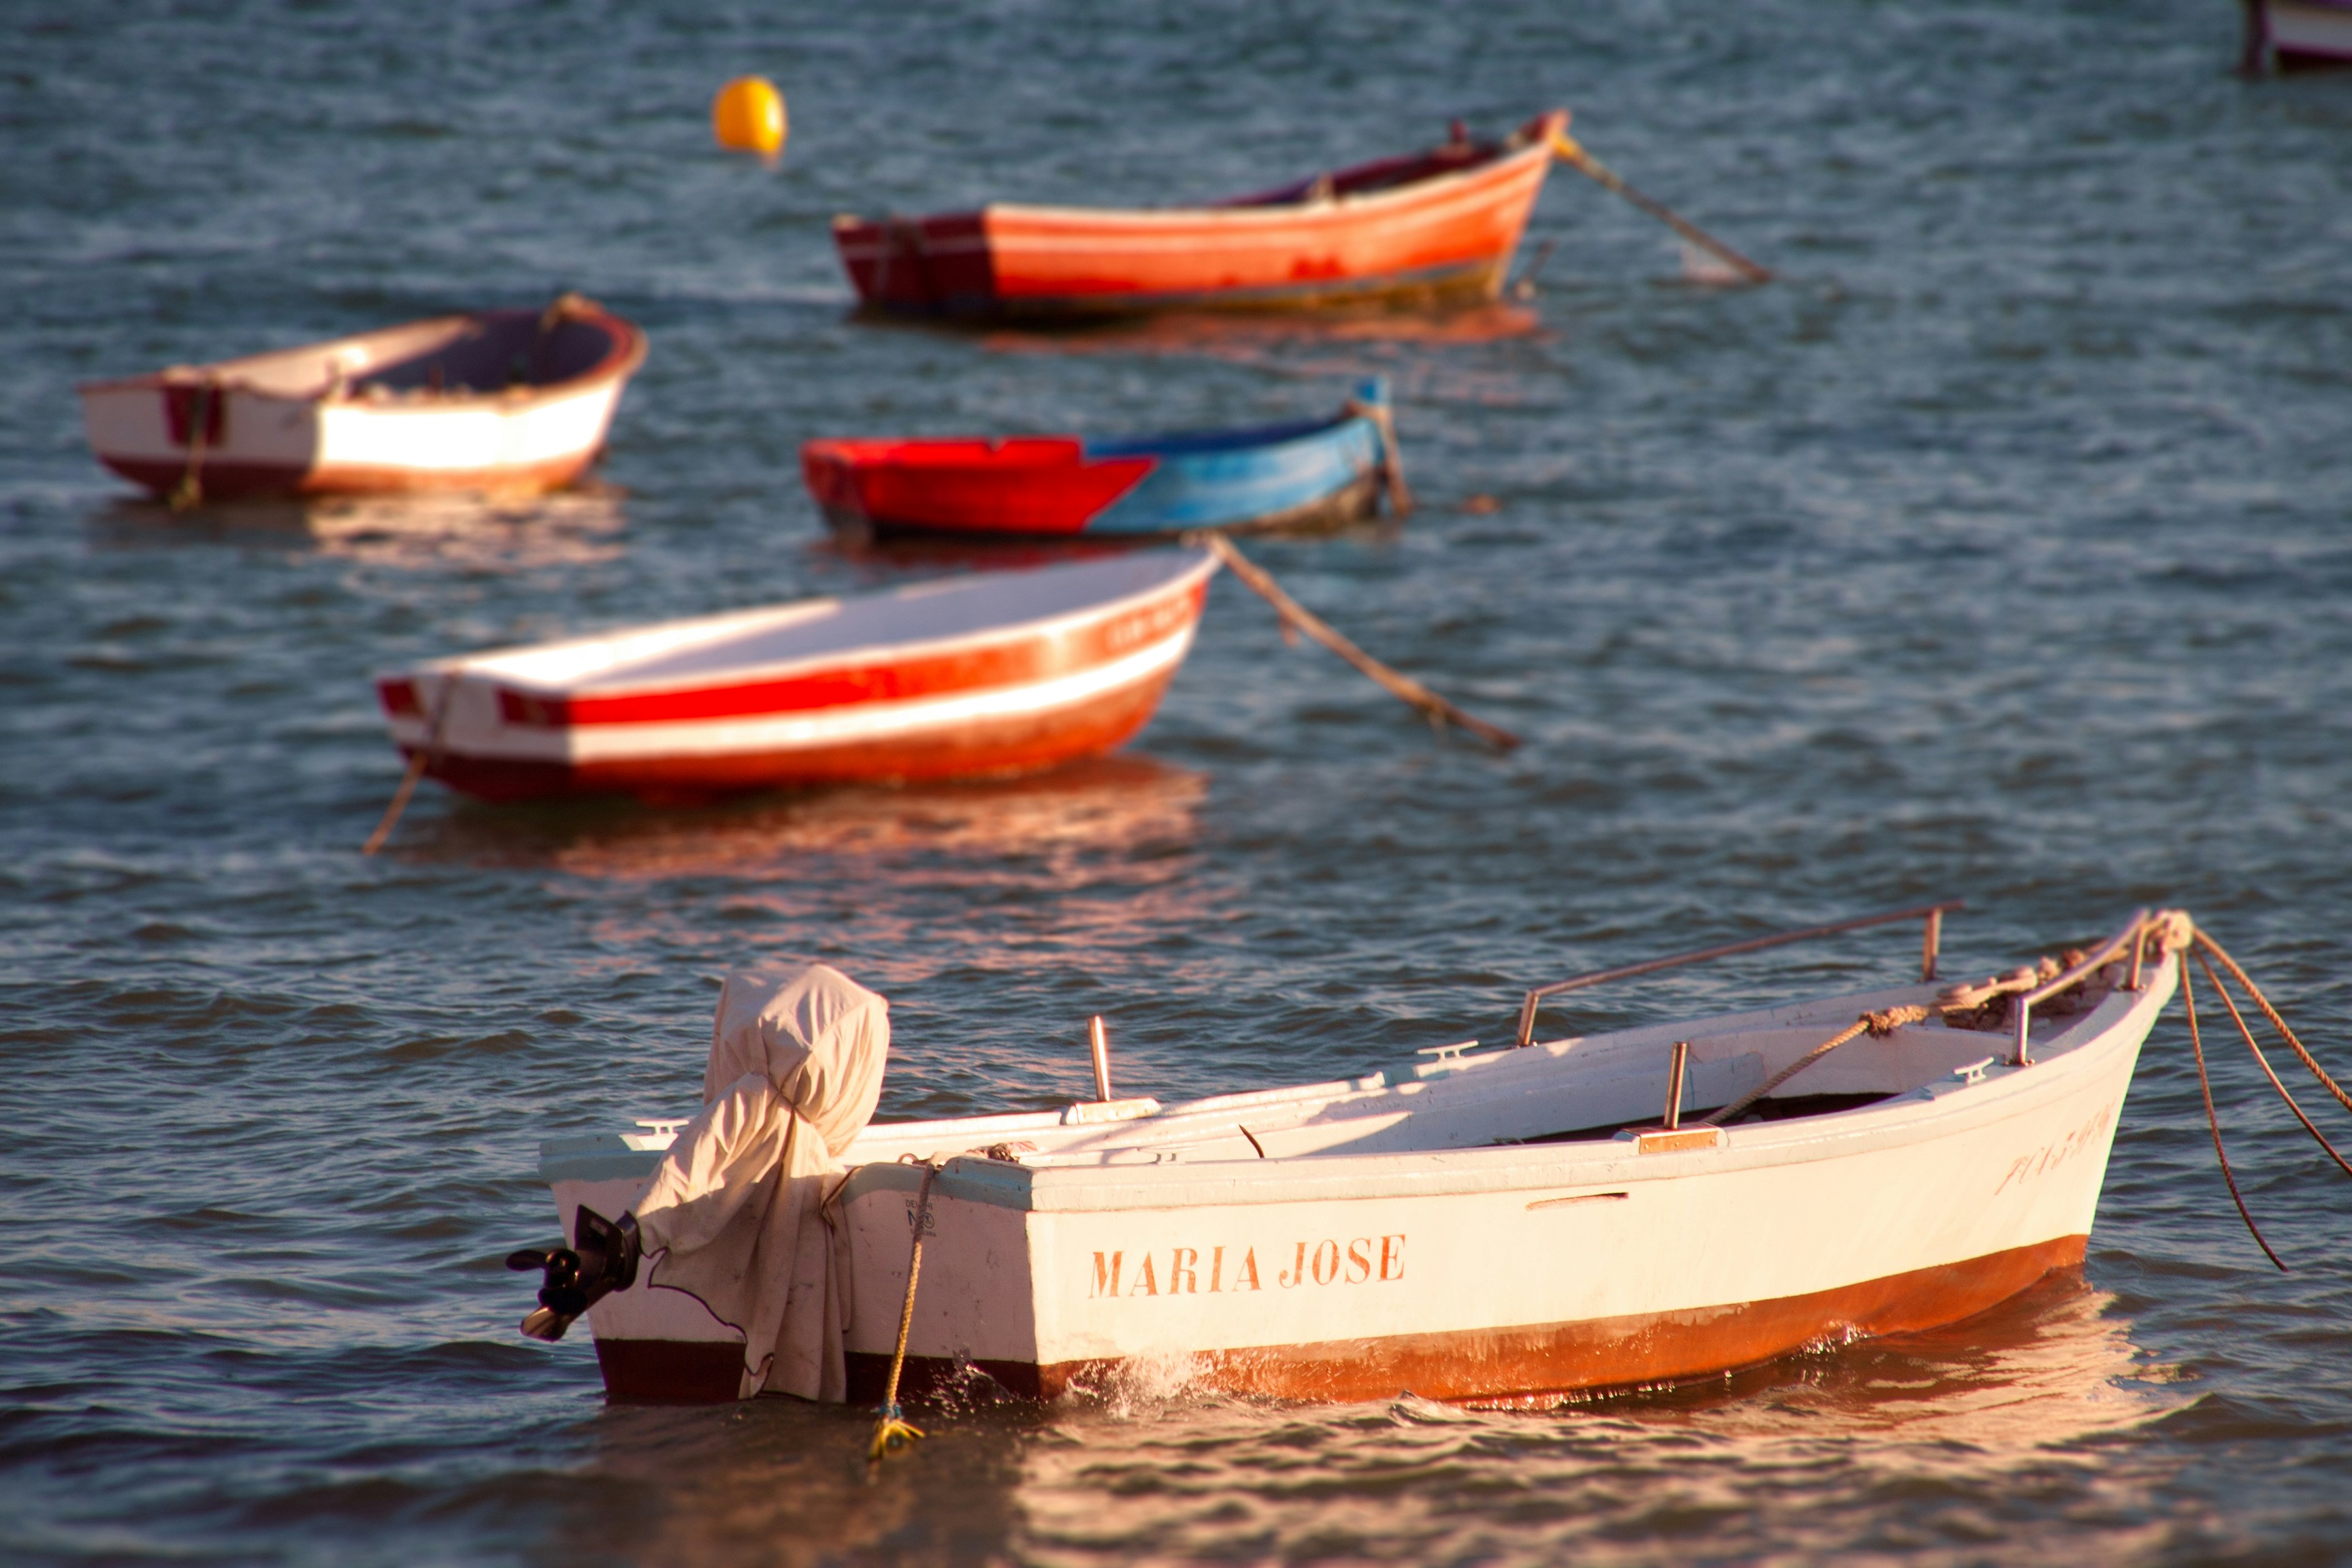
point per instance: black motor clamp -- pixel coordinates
(601, 1259)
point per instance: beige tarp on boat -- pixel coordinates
(736, 1214)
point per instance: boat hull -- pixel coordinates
(1511, 1275)
(1433, 241)
(2302, 34)
(1032, 692)
(306, 421)
(1295, 475)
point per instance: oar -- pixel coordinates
(1569, 151)
(1402, 687)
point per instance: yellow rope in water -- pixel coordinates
(190, 491)
(892, 1430)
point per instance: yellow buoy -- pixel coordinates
(748, 116)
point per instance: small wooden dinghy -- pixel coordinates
(1316, 473)
(1422, 229)
(1506, 1226)
(498, 400)
(991, 673)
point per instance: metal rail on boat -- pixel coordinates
(2106, 953)
(1933, 914)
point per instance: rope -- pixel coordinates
(417, 763)
(2237, 1019)
(2272, 1014)
(1401, 687)
(190, 491)
(1568, 151)
(1383, 420)
(892, 1430)
(1877, 1024)
(2189, 996)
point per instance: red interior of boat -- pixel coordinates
(1382, 175)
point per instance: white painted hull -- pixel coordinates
(1468, 1270)
(307, 421)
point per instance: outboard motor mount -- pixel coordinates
(601, 1259)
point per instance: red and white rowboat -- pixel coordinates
(1426, 227)
(498, 400)
(995, 672)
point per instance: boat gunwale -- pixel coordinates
(1245, 212)
(621, 360)
(1514, 1167)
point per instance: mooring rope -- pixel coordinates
(1398, 685)
(1569, 151)
(892, 1430)
(2271, 1013)
(2213, 1120)
(190, 491)
(2236, 1017)
(1383, 420)
(416, 766)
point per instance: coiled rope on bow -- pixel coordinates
(892, 1430)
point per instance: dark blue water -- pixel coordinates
(2001, 549)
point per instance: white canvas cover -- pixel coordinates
(736, 1216)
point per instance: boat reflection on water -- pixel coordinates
(1251, 338)
(2050, 1367)
(479, 533)
(1121, 805)
(1933, 1428)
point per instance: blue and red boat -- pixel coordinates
(1314, 473)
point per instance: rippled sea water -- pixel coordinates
(2000, 548)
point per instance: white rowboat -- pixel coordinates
(988, 673)
(507, 401)
(1506, 1226)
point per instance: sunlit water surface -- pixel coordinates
(2000, 548)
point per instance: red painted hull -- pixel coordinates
(994, 749)
(1029, 485)
(1514, 1367)
(1429, 229)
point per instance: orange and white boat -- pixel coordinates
(497, 400)
(1508, 1226)
(995, 672)
(1422, 229)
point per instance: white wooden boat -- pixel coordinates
(498, 400)
(1503, 1225)
(988, 673)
